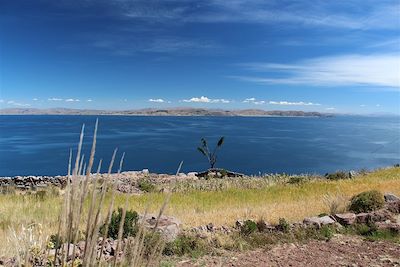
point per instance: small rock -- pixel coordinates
(389, 197)
(352, 174)
(210, 227)
(239, 224)
(345, 218)
(145, 171)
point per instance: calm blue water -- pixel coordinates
(39, 145)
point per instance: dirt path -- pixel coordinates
(340, 251)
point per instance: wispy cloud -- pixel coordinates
(157, 100)
(287, 103)
(254, 101)
(377, 70)
(89, 100)
(204, 99)
(17, 104)
(127, 45)
(55, 99)
(72, 100)
(349, 14)
(35, 99)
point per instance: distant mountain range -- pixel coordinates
(161, 112)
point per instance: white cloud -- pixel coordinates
(204, 99)
(362, 105)
(380, 70)
(71, 100)
(1, 100)
(248, 100)
(157, 100)
(378, 105)
(54, 99)
(35, 99)
(12, 102)
(330, 108)
(89, 100)
(286, 103)
(254, 101)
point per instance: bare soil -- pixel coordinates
(339, 251)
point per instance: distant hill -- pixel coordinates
(161, 112)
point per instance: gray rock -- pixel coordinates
(352, 174)
(168, 226)
(393, 206)
(362, 217)
(239, 224)
(345, 218)
(319, 221)
(210, 227)
(388, 226)
(389, 197)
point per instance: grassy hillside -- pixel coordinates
(197, 207)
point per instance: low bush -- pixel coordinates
(186, 245)
(130, 224)
(146, 186)
(56, 241)
(283, 225)
(339, 175)
(366, 201)
(248, 227)
(297, 179)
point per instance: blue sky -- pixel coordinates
(334, 56)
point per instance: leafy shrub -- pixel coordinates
(297, 180)
(146, 186)
(248, 227)
(186, 245)
(56, 240)
(130, 224)
(366, 201)
(339, 175)
(283, 225)
(327, 232)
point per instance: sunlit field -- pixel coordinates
(198, 207)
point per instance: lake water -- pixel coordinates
(39, 145)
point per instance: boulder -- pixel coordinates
(393, 206)
(168, 226)
(319, 221)
(362, 217)
(388, 226)
(380, 216)
(389, 197)
(345, 218)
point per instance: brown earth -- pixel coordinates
(339, 251)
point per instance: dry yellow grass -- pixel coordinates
(293, 202)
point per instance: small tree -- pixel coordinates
(211, 156)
